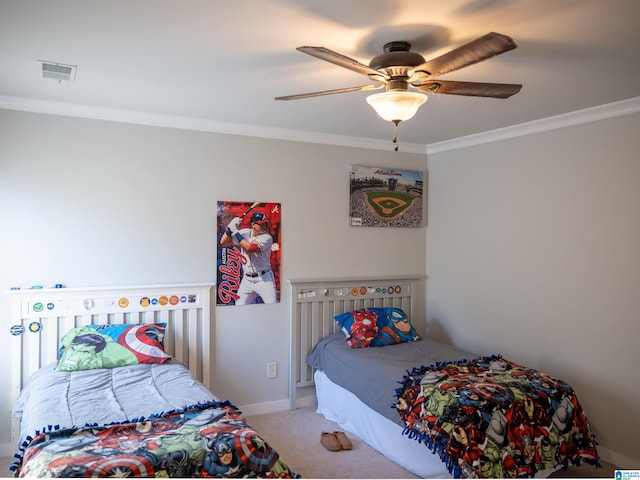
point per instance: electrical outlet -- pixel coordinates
(272, 370)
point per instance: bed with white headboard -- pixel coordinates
(173, 388)
(314, 303)
(381, 391)
(40, 317)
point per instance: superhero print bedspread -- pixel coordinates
(208, 440)
(492, 418)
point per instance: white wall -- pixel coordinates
(534, 253)
(89, 203)
(533, 241)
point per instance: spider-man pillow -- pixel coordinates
(376, 327)
(109, 346)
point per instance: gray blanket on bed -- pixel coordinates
(373, 374)
(68, 399)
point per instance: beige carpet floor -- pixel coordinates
(296, 436)
(4, 467)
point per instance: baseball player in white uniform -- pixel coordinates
(255, 244)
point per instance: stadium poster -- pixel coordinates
(248, 253)
(385, 197)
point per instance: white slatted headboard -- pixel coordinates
(45, 315)
(315, 302)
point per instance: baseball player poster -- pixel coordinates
(248, 263)
(385, 197)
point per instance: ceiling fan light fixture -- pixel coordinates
(395, 106)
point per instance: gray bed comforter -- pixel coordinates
(68, 399)
(373, 374)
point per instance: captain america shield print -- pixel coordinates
(248, 263)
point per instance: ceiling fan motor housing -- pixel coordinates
(397, 54)
(396, 61)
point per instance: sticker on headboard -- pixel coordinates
(16, 330)
(38, 307)
(123, 302)
(145, 302)
(35, 327)
(308, 293)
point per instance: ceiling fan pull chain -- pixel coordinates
(395, 135)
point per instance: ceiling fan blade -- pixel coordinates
(330, 92)
(341, 60)
(471, 89)
(475, 51)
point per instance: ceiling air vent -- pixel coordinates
(58, 71)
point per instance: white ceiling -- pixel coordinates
(221, 63)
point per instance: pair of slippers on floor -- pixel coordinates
(335, 441)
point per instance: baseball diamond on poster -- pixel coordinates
(249, 251)
(385, 197)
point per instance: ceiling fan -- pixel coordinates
(398, 69)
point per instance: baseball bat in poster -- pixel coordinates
(253, 205)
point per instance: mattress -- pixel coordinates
(341, 406)
(372, 374)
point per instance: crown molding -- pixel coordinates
(601, 112)
(623, 107)
(197, 124)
